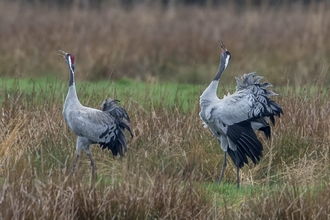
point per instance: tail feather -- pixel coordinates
(122, 119)
(126, 125)
(266, 131)
(117, 145)
(111, 106)
(118, 113)
(266, 107)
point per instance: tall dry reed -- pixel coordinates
(288, 44)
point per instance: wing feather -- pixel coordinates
(239, 114)
(247, 143)
(100, 127)
(111, 107)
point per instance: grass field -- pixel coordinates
(158, 62)
(173, 163)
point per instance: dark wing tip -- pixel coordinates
(247, 144)
(267, 131)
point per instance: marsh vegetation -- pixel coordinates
(157, 62)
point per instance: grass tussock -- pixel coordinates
(172, 165)
(289, 44)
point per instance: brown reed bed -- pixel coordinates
(288, 44)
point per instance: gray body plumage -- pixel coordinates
(122, 120)
(97, 126)
(233, 119)
(94, 126)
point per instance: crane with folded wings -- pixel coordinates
(93, 126)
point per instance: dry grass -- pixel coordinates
(173, 163)
(288, 44)
(170, 170)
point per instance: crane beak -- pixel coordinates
(63, 54)
(223, 46)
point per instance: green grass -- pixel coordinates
(164, 94)
(182, 93)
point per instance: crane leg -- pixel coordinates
(92, 164)
(74, 164)
(223, 167)
(237, 176)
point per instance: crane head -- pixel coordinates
(225, 54)
(69, 58)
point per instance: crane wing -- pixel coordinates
(111, 107)
(229, 118)
(99, 127)
(242, 106)
(230, 110)
(90, 124)
(247, 144)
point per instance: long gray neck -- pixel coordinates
(72, 97)
(72, 93)
(210, 93)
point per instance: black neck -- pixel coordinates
(71, 79)
(220, 69)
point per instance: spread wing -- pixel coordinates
(234, 116)
(240, 107)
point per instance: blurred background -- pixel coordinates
(169, 40)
